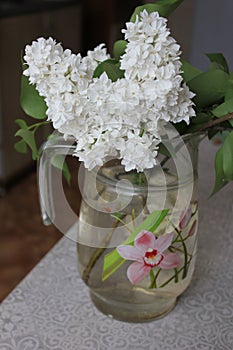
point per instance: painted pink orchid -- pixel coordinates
(148, 252)
(193, 229)
(185, 217)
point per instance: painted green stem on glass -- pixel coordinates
(185, 269)
(154, 283)
(174, 276)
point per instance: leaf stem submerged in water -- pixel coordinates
(99, 251)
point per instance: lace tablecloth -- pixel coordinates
(51, 308)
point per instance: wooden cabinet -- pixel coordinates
(63, 24)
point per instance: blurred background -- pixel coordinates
(199, 26)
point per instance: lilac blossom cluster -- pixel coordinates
(114, 118)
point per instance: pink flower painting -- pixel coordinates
(185, 217)
(148, 252)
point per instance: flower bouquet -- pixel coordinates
(119, 111)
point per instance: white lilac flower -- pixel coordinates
(92, 157)
(118, 118)
(59, 112)
(40, 56)
(99, 54)
(138, 152)
(183, 109)
(152, 59)
(99, 90)
(150, 47)
(95, 154)
(125, 103)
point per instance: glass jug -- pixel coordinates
(137, 233)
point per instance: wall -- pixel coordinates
(15, 32)
(212, 31)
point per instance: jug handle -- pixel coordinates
(55, 146)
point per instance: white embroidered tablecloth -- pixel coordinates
(51, 308)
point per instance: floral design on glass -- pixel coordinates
(147, 253)
(159, 258)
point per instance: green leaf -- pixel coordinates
(181, 127)
(212, 133)
(219, 59)
(229, 90)
(113, 260)
(163, 150)
(164, 8)
(21, 146)
(201, 118)
(150, 224)
(111, 68)
(29, 138)
(227, 151)
(31, 102)
(21, 123)
(117, 215)
(224, 108)
(58, 161)
(119, 48)
(229, 96)
(188, 71)
(198, 122)
(194, 128)
(209, 87)
(214, 65)
(224, 163)
(220, 182)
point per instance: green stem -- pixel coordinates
(183, 239)
(133, 219)
(179, 250)
(184, 251)
(185, 256)
(174, 276)
(140, 178)
(142, 132)
(122, 222)
(154, 284)
(37, 125)
(214, 122)
(98, 252)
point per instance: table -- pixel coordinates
(51, 308)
